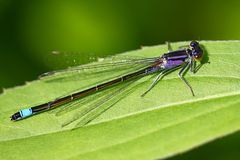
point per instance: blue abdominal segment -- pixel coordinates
(26, 112)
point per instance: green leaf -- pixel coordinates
(167, 121)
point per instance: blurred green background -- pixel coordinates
(31, 30)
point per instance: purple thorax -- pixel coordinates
(172, 63)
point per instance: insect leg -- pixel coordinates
(169, 46)
(159, 77)
(192, 65)
(180, 75)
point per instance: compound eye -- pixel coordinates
(194, 44)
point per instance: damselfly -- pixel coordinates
(183, 58)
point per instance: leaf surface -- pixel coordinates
(167, 121)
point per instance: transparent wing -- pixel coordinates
(80, 102)
(90, 107)
(77, 79)
(111, 62)
(96, 108)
